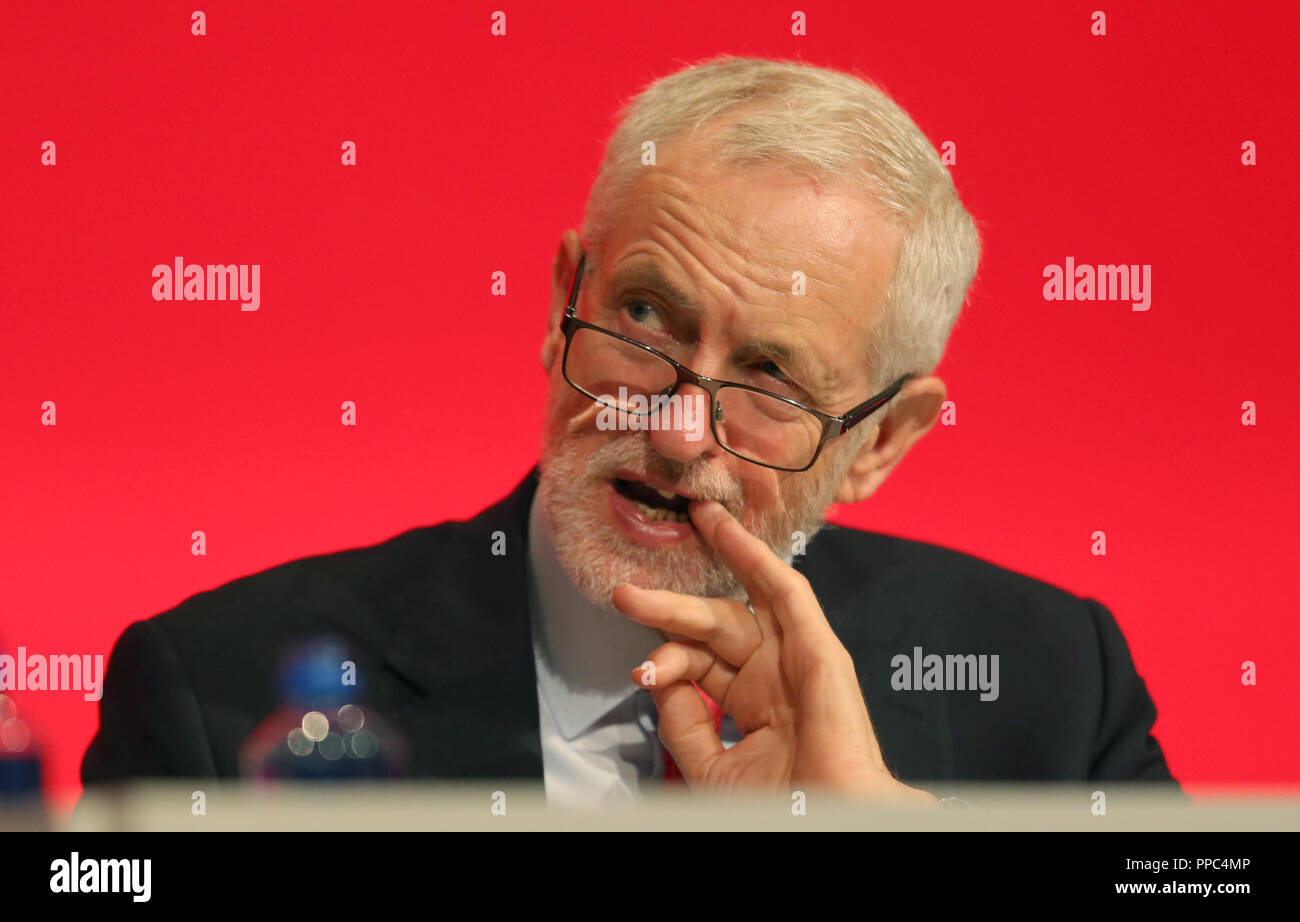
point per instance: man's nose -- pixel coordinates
(683, 432)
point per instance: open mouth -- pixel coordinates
(654, 504)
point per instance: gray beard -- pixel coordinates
(597, 557)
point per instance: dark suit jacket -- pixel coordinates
(439, 629)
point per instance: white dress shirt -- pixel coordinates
(599, 729)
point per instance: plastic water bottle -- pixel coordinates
(323, 729)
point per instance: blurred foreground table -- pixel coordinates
(205, 806)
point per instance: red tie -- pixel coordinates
(673, 774)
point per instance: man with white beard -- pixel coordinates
(794, 259)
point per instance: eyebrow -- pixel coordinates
(814, 379)
(649, 275)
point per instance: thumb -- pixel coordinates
(687, 728)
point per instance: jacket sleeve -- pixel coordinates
(150, 725)
(1123, 749)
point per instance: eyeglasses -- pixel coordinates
(754, 424)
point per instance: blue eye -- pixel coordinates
(643, 313)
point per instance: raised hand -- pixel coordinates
(774, 665)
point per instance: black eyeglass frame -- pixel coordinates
(832, 426)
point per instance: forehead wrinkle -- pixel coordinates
(693, 204)
(678, 201)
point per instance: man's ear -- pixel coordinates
(911, 414)
(566, 263)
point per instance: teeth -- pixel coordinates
(660, 515)
(665, 494)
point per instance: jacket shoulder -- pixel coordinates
(353, 588)
(930, 576)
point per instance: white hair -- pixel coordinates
(828, 125)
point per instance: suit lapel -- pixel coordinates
(464, 642)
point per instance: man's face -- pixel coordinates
(731, 241)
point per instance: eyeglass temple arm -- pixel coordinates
(862, 411)
(571, 309)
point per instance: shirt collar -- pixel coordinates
(587, 652)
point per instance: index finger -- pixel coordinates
(768, 579)
(723, 625)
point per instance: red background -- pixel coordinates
(475, 152)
